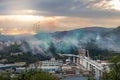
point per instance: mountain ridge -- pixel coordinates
(105, 38)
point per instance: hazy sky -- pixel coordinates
(21, 16)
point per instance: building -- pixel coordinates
(6, 66)
(16, 54)
(13, 68)
(66, 67)
(20, 69)
(49, 65)
(3, 61)
(19, 64)
(83, 52)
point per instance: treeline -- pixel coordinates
(28, 57)
(114, 73)
(53, 51)
(29, 75)
(97, 53)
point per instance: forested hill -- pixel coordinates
(97, 40)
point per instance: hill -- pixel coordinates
(95, 39)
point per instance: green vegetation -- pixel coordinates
(31, 75)
(52, 49)
(98, 53)
(91, 46)
(24, 57)
(114, 73)
(4, 76)
(36, 75)
(55, 52)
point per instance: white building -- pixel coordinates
(49, 65)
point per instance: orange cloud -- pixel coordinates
(17, 25)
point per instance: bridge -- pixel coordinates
(87, 63)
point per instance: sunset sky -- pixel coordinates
(21, 16)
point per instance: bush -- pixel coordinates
(36, 75)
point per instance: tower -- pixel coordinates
(83, 52)
(36, 27)
(87, 54)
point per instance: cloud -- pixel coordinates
(108, 4)
(77, 8)
(21, 24)
(71, 14)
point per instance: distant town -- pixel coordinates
(70, 65)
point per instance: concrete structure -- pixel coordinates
(16, 54)
(66, 67)
(19, 64)
(20, 69)
(11, 66)
(6, 66)
(87, 63)
(3, 61)
(49, 65)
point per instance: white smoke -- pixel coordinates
(34, 45)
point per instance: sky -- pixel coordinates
(27, 16)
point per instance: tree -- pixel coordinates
(36, 75)
(74, 50)
(114, 73)
(4, 76)
(52, 49)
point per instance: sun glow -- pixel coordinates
(18, 33)
(109, 4)
(27, 17)
(24, 24)
(115, 4)
(32, 18)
